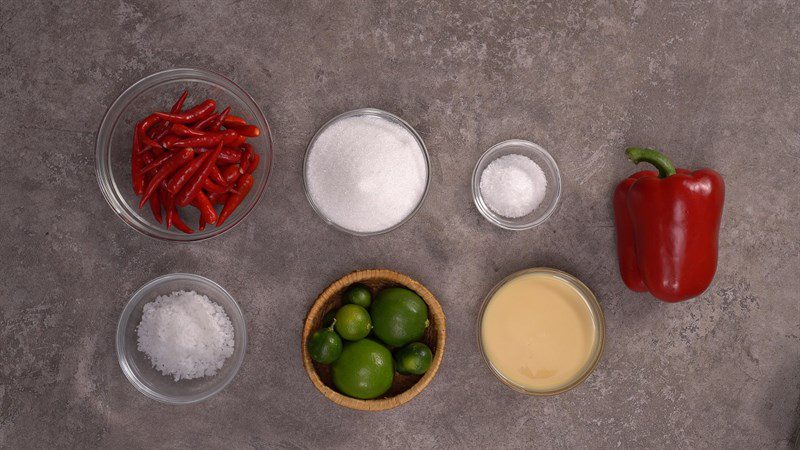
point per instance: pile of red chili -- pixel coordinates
(197, 158)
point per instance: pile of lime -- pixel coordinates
(380, 336)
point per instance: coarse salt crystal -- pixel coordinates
(366, 173)
(185, 335)
(513, 186)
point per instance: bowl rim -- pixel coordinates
(495, 218)
(103, 170)
(385, 115)
(594, 306)
(120, 340)
(380, 404)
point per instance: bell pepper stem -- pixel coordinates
(654, 157)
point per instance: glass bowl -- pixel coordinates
(137, 366)
(551, 173)
(391, 118)
(158, 92)
(595, 310)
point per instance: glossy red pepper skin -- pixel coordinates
(187, 194)
(216, 176)
(176, 162)
(230, 156)
(203, 204)
(205, 123)
(155, 207)
(626, 250)
(248, 130)
(232, 173)
(207, 139)
(253, 163)
(191, 115)
(243, 187)
(234, 121)
(217, 123)
(674, 226)
(179, 223)
(184, 174)
(142, 128)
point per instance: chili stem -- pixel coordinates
(654, 157)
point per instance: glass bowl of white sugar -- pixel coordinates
(181, 339)
(366, 172)
(516, 185)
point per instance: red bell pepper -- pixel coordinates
(667, 227)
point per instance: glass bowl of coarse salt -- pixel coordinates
(366, 172)
(516, 185)
(181, 339)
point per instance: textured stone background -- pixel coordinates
(713, 83)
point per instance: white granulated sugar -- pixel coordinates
(185, 335)
(513, 185)
(366, 174)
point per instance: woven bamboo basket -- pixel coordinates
(404, 387)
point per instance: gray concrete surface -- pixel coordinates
(713, 83)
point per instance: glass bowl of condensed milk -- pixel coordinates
(541, 331)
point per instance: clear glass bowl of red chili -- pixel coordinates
(157, 92)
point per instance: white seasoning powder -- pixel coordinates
(366, 173)
(185, 335)
(513, 186)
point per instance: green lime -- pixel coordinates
(399, 316)
(364, 370)
(358, 294)
(413, 359)
(325, 346)
(352, 322)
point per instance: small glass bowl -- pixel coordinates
(384, 115)
(137, 366)
(595, 310)
(541, 157)
(158, 92)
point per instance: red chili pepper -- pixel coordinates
(230, 156)
(155, 163)
(236, 143)
(208, 139)
(210, 186)
(184, 174)
(232, 173)
(179, 223)
(161, 130)
(248, 130)
(182, 130)
(194, 114)
(243, 187)
(205, 123)
(141, 130)
(155, 207)
(203, 204)
(168, 140)
(176, 162)
(218, 199)
(202, 225)
(167, 201)
(253, 163)
(217, 124)
(234, 121)
(136, 164)
(187, 194)
(668, 227)
(247, 157)
(216, 175)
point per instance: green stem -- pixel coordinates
(654, 157)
